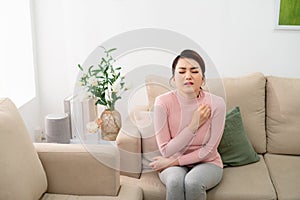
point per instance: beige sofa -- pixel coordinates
(55, 171)
(270, 109)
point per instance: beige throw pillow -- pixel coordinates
(21, 173)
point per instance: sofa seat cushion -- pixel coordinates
(22, 175)
(244, 182)
(238, 183)
(150, 183)
(285, 174)
(126, 192)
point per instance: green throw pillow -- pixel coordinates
(235, 148)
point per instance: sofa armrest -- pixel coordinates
(129, 144)
(71, 169)
(130, 192)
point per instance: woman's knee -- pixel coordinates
(193, 185)
(173, 175)
(175, 181)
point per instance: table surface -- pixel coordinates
(92, 138)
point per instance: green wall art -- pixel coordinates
(288, 14)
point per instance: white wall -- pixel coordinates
(238, 35)
(30, 113)
(16, 52)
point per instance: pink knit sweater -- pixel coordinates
(172, 115)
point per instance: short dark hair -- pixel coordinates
(192, 55)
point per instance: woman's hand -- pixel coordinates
(200, 116)
(160, 163)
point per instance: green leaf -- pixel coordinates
(89, 71)
(101, 63)
(103, 60)
(105, 71)
(98, 102)
(96, 71)
(118, 75)
(80, 67)
(101, 102)
(110, 50)
(109, 104)
(111, 82)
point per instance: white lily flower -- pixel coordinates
(116, 86)
(92, 127)
(93, 81)
(79, 83)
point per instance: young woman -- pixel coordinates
(189, 124)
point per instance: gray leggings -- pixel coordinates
(183, 183)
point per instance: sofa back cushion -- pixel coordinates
(283, 115)
(155, 86)
(21, 173)
(248, 92)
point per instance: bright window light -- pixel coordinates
(16, 54)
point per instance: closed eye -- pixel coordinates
(194, 72)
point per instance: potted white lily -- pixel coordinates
(104, 83)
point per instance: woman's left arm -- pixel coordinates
(217, 128)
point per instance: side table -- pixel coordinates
(92, 138)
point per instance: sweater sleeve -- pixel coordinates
(169, 146)
(216, 129)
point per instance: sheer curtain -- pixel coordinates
(16, 52)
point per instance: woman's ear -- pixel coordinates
(172, 81)
(204, 82)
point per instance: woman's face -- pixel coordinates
(188, 77)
